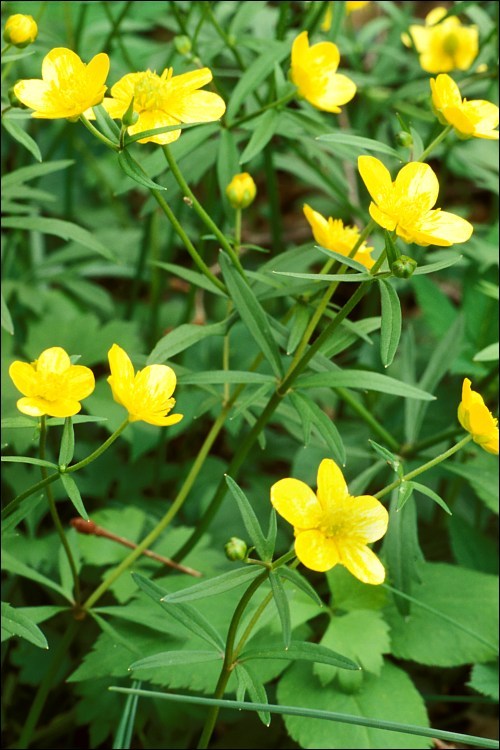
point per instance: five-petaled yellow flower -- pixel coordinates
(242, 190)
(69, 87)
(51, 384)
(476, 118)
(476, 418)
(405, 205)
(314, 72)
(332, 527)
(20, 30)
(146, 395)
(166, 100)
(333, 235)
(443, 46)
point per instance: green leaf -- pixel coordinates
(250, 520)
(218, 377)
(197, 279)
(182, 338)
(10, 563)
(106, 124)
(214, 586)
(19, 422)
(484, 679)
(227, 165)
(362, 380)
(171, 658)
(481, 472)
(365, 144)
(251, 313)
(6, 319)
(305, 415)
(323, 425)
(18, 624)
(390, 696)
(343, 259)
(326, 277)
(123, 736)
(390, 330)
(438, 266)
(303, 651)
(488, 354)
(64, 229)
(405, 491)
(73, 493)
(248, 682)
(283, 607)
(20, 176)
(430, 493)
(67, 449)
(300, 582)
(298, 327)
(265, 129)
(445, 629)
(22, 137)
(393, 461)
(260, 69)
(188, 616)
(25, 508)
(30, 460)
(133, 170)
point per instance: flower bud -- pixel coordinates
(404, 139)
(182, 44)
(241, 190)
(403, 267)
(130, 117)
(235, 549)
(20, 30)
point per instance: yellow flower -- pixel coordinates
(406, 204)
(241, 190)
(165, 100)
(20, 30)
(350, 7)
(443, 46)
(332, 234)
(146, 395)
(332, 527)
(477, 118)
(69, 87)
(51, 384)
(313, 71)
(476, 418)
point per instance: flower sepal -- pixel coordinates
(404, 267)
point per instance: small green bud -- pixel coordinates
(182, 44)
(130, 117)
(403, 267)
(235, 549)
(404, 139)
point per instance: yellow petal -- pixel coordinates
(417, 183)
(157, 118)
(361, 562)
(445, 92)
(434, 16)
(124, 89)
(188, 82)
(31, 407)
(120, 365)
(340, 90)
(441, 228)
(368, 519)
(156, 382)
(467, 48)
(36, 407)
(319, 225)
(80, 382)
(162, 421)
(115, 108)
(457, 117)
(296, 503)
(61, 65)
(24, 377)
(377, 179)
(324, 56)
(53, 360)
(387, 221)
(198, 106)
(300, 48)
(316, 551)
(331, 484)
(34, 94)
(98, 69)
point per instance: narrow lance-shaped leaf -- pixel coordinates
(363, 380)
(171, 658)
(213, 586)
(393, 461)
(264, 131)
(250, 520)
(249, 682)
(22, 137)
(283, 607)
(67, 449)
(324, 425)
(302, 650)
(182, 338)
(430, 493)
(17, 623)
(390, 330)
(135, 172)
(300, 582)
(73, 493)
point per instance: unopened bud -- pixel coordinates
(130, 117)
(241, 190)
(235, 549)
(182, 44)
(403, 267)
(20, 30)
(404, 139)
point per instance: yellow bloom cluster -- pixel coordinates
(443, 45)
(477, 118)
(333, 235)
(476, 418)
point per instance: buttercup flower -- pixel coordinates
(443, 46)
(350, 7)
(241, 190)
(51, 384)
(69, 87)
(146, 395)
(477, 118)
(332, 234)
(406, 204)
(20, 30)
(332, 527)
(314, 73)
(476, 418)
(165, 100)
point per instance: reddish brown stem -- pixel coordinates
(89, 527)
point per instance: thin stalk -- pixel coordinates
(97, 133)
(99, 451)
(30, 491)
(424, 467)
(272, 105)
(435, 142)
(55, 516)
(46, 686)
(407, 451)
(187, 242)
(207, 220)
(228, 663)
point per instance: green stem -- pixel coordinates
(99, 451)
(226, 344)
(55, 516)
(435, 142)
(7, 47)
(207, 220)
(228, 663)
(187, 242)
(97, 133)
(424, 467)
(172, 511)
(30, 491)
(45, 686)
(410, 450)
(272, 105)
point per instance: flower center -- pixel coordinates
(450, 44)
(51, 386)
(149, 90)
